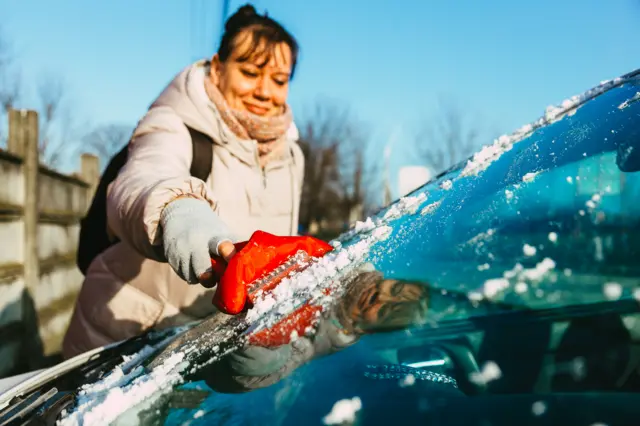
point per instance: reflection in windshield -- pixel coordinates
(369, 304)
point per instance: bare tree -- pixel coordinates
(360, 177)
(106, 140)
(336, 189)
(448, 137)
(10, 87)
(58, 123)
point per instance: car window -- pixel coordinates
(548, 222)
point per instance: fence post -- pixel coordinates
(31, 167)
(23, 141)
(90, 173)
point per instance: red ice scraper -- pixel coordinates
(260, 264)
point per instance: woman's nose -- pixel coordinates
(262, 91)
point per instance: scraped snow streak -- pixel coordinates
(311, 282)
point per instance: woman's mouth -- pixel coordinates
(256, 109)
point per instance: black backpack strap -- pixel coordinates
(93, 238)
(202, 154)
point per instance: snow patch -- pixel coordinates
(521, 275)
(489, 153)
(529, 250)
(446, 185)
(529, 177)
(365, 226)
(430, 208)
(494, 286)
(343, 411)
(409, 380)
(490, 372)
(475, 296)
(103, 402)
(538, 408)
(406, 205)
(612, 291)
(521, 287)
(628, 102)
(540, 270)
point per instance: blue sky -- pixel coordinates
(504, 61)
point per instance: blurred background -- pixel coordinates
(387, 95)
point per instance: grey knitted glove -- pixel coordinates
(191, 234)
(255, 367)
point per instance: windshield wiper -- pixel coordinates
(20, 409)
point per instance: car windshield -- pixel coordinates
(541, 222)
(548, 221)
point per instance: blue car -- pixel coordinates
(505, 291)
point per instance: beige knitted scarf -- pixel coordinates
(269, 132)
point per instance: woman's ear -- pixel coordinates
(216, 69)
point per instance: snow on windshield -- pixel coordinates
(489, 153)
(408, 205)
(130, 385)
(124, 387)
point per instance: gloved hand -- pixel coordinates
(255, 367)
(192, 233)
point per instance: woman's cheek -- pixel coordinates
(281, 98)
(243, 87)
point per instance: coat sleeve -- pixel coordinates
(157, 172)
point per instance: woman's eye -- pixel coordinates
(280, 82)
(374, 298)
(249, 73)
(397, 288)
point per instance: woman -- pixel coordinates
(169, 223)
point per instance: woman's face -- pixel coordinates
(260, 84)
(387, 303)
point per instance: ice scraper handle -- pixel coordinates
(255, 259)
(192, 233)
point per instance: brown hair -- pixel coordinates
(265, 34)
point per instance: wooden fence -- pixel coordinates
(40, 211)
